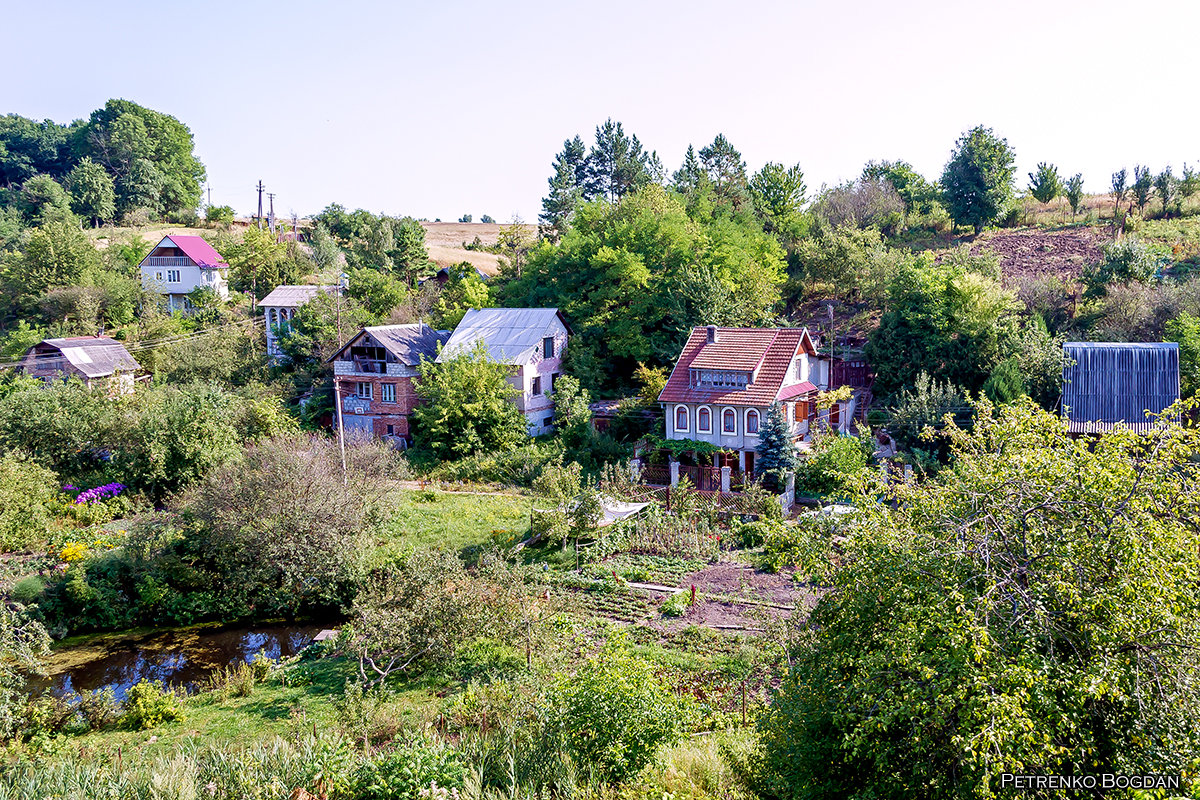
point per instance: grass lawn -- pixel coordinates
(459, 522)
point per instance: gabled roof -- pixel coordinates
(294, 296)
(406, 343)
(195, 248)
(1105, 383)
(766, 352)
(93, 356)
(510, 334)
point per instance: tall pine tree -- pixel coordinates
(566, 189)
(617, 164)
(726, 170)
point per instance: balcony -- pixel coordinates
(167, 261)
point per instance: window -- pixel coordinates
(537, 385)
(720, 379)
(172, 276)
(391, 429)
(548, 347)
(366, 390)
(681, 419)
(548, 422)
(387, 393)
(158, 276)
(704, 421)
(751, 422)
(728, 421)
(553, 382)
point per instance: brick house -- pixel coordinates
(726, 378)
(532, 341)
(373, 376)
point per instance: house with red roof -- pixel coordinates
(726, 378)
(180, 264)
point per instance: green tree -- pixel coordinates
(93, 195)
(1127, 260)
(219, 215)
(834, 467)
(616, 164)
(27, 490)
(1165, 184)
(56, 254)
(918, 194)
(778, 195)
(24, 646)
(776, 448)
(43, 201)
(567, 187)
(690, 177)
(726, 171)
(470, 407)
(325, 251)
(1045, 185)
(572, 414)
(463, 290)
(150, 154)
(259, 263)
(977, 181)
(1189, 183)
(376, 292)
(29, 148)
(1007, 383)
(1030, 610)
(320, 327)
(1120, 188)
(410, 256)
(1185, 330)
(1074, 193)
(1143, 185)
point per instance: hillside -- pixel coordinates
(445, 240)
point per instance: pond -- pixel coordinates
(181, 657)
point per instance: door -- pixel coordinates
(358, 427)
(750, 463)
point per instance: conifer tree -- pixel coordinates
(616, 164)
(776, 453)
(1074, 192)
(1045, 185)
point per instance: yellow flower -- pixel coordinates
(73, 551)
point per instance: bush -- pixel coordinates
(834, 466)
(615, 713)
(137, 217)
(148, 705)
(26, 492)
(412, 770)
(219, 215)
(28, 589)
(676, 605)
(188, 217)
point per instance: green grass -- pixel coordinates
(464, 523)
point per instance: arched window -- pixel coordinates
(751, 422)
(704, 420)
(681, 418)
(728, 421)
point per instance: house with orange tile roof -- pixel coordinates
(725, 379)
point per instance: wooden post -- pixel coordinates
(337, 402)
(743, 703)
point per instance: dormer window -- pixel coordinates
(720, 379)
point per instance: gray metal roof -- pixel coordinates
(294, 296)
(509, 333)
(407, 343)
(91, 356)
(1109, 382)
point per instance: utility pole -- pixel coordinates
(337, 393)
(271, 217)
(260, 192)
(209, 197)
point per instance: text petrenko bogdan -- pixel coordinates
(1107, 780)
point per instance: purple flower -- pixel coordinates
(100, 492)
(70, 488)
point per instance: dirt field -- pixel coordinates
(1033, 253)
(445, 243)
(767, 590)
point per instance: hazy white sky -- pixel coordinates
(436, 109)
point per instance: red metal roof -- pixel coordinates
(199, 251)
(770, 349)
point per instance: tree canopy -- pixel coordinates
(977, 181)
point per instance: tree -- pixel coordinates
(919, 195)
(410, 255)
(27, 490)
(977, 181)
(487, 219)
(1165, 184)
(778, 195)
(690, 176)
(1128, 260)
(513, 244)
(1031, 610)
(1074, 193)
(24, 644)
(377, 292)
(1045, 185)
(1143, 183)
(567, 187)
(1120, 187)
(616, 164)
(726, 171)
(572, 413)
(313, 334)
(219, 215)
(43, 201)
(93, 195)
(1189, 183)
(325, 251)
(1185, 330)
(56, 254)
(465, 218)
(1007, 383)
(470, 407)
(463, 290)
(259, 263)
(776, 450)
(864, 203)
(29, 147)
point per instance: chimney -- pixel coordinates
(712, 334)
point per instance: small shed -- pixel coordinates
(97, 360)
(1106, 383)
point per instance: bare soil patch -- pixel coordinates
(1036, 253)
(732, 581)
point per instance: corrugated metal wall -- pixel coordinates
(1119, 383)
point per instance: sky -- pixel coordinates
(440, 109)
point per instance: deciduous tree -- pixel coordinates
(1074, 193)
(93, 195)
(977, 181)
(1045, 185)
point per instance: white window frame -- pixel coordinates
(709, 429)
(174, 276)
(370, 394)
(746, 422)
(675, 419)
(735, 421)
(158, 276)
(387, 392)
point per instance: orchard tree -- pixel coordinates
(1045, 185)
(1143, 185)
(470, 407)
(1120, 188)
(1189, 183)
(1074, 193)
(1165, 184)
(977, 181)
(93, 196)
(1031, 610)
